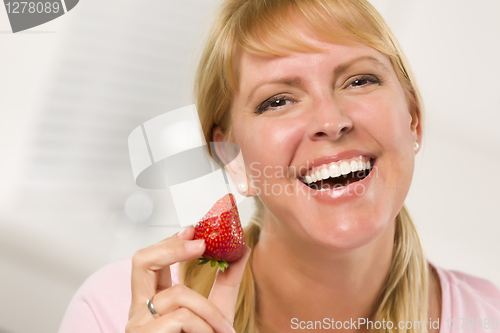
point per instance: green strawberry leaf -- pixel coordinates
(203, 261)
(222, 265)
(213, 263)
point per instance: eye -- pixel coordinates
(273, 103)
(364, 80)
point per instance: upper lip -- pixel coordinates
(330, 158)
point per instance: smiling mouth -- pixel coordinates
(338, 174)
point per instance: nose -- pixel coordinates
(328, 121)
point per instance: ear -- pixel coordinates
(233, 161)
(416, 124)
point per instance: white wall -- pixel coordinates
(73, 89)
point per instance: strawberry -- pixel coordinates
(221, 229)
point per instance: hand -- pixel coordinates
(179, 308)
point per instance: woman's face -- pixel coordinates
(318, 114)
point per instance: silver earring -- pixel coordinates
(243, 188)
(415, 145)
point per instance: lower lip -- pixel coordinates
(349, 192)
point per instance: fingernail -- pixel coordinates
(182, 232)
(195, 245)
(228, 327)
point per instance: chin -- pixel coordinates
(348, 231)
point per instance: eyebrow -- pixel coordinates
(338, 70)
(294, 81)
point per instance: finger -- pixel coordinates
(147, 262)
(181, 320)
(224, 293)
(164, 275)
(180, 296)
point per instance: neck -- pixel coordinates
(297, 278)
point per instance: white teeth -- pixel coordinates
(334, 170)
(337, 169)
(345, 168)
(354, 166)
(313, 177)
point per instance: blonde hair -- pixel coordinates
(268, 27)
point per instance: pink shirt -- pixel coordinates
(102, 302)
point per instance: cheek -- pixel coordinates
(269, 142)
(386, 118)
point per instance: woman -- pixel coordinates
(309, 90)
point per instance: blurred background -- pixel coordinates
(73, 89)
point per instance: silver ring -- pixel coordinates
(151, 307)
